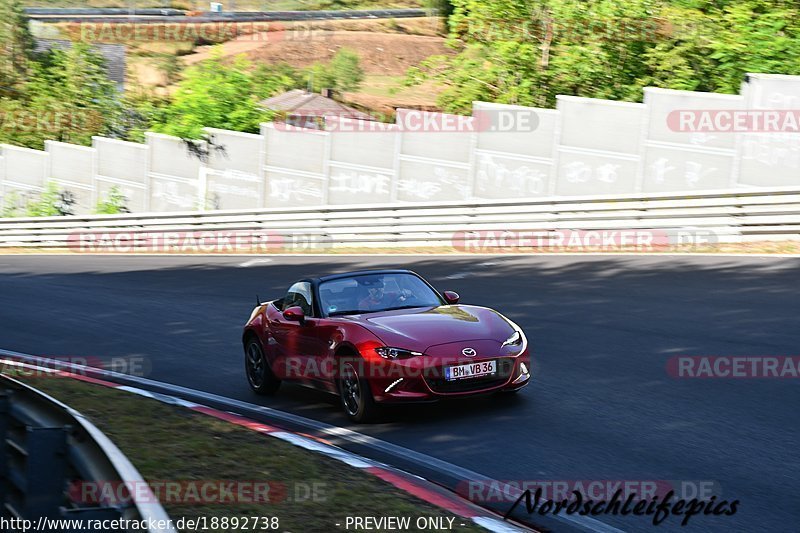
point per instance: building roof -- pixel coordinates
(114, 55)
(304, 103)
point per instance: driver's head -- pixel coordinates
(376, 289)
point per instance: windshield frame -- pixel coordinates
(325, 314)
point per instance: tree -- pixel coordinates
(319, 76)
(142, 108)
(527, 52)
(67, 97)
(444, 8)
(346, 70)
(713, 44)
(220, 95)
(16, 47)
(343, 73)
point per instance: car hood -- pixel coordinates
(419, 329)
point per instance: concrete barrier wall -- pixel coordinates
(599, 146)
(361, 164)
(675, 161)
(770, 159)
(584, 147)
(123, 165)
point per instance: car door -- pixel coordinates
(298, 344)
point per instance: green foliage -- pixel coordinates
(444, 8)
(220, 95)
(12, 205)
(142, 108)
(343, 73)
(16, 47)
(346, 70)
(715, 44)
(52, 202)
(170, 66)
(66, 97)
(226, 95)
(319, 76)
(114, 203)
(269, 80)
(527, 52)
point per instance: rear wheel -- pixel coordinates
(354, 392)
(259, 374)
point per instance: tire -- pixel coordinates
(354, 392)
(256, 367)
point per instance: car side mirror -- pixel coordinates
(294, 313)
(451, 297)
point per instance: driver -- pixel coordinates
(377, 298)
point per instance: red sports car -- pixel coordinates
(379, 337)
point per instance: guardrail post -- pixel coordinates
(5, 403)
(37, 469)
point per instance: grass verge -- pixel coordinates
(168, 443)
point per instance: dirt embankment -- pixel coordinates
(380, 53)
(385, 58)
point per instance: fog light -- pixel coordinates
(524, 374)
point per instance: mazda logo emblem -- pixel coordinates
(469, 352)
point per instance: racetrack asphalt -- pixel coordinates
(602, 405)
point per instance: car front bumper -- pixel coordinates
(403, 382)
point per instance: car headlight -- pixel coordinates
(388, 352)
(514, 340)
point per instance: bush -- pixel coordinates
(346, 70)
(343, 73)
(12, 205)
(114, 203)
(53, 202)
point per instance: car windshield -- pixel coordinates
(370, 293)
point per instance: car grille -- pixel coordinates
(504, 369)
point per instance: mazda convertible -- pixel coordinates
(382, 337)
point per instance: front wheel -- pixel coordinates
(355, 394)
(259, 374)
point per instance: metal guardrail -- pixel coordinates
(447, 475)
(730, 216)
(46, 448)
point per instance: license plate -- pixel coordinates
(472, 370)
